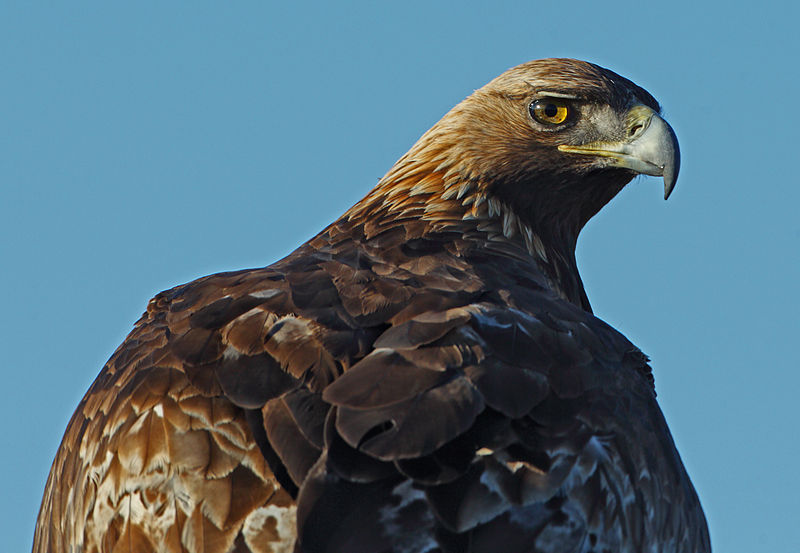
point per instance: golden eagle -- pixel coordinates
(424, 375)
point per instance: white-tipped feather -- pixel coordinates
(509, 223)
(538, 247)
(494, 206)
(463, 189)
(450, 192)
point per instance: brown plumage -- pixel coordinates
(425, 375)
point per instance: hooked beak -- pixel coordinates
(650, 147)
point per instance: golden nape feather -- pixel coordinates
(424, 375)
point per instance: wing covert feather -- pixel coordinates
(365, 391)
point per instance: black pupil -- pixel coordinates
(551, 110)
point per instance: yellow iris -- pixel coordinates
(550, 111)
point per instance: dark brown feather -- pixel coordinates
(425, 375)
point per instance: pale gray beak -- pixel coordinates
(650, 147)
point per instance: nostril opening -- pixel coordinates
(635, 129)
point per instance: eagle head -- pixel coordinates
(556, 139)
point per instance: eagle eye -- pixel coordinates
(550, 111)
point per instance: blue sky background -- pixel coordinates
(144, 146)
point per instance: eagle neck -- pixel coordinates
(431, 197)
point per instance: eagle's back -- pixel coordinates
(381, 389)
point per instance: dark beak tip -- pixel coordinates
(671, 170)
(669, 185)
